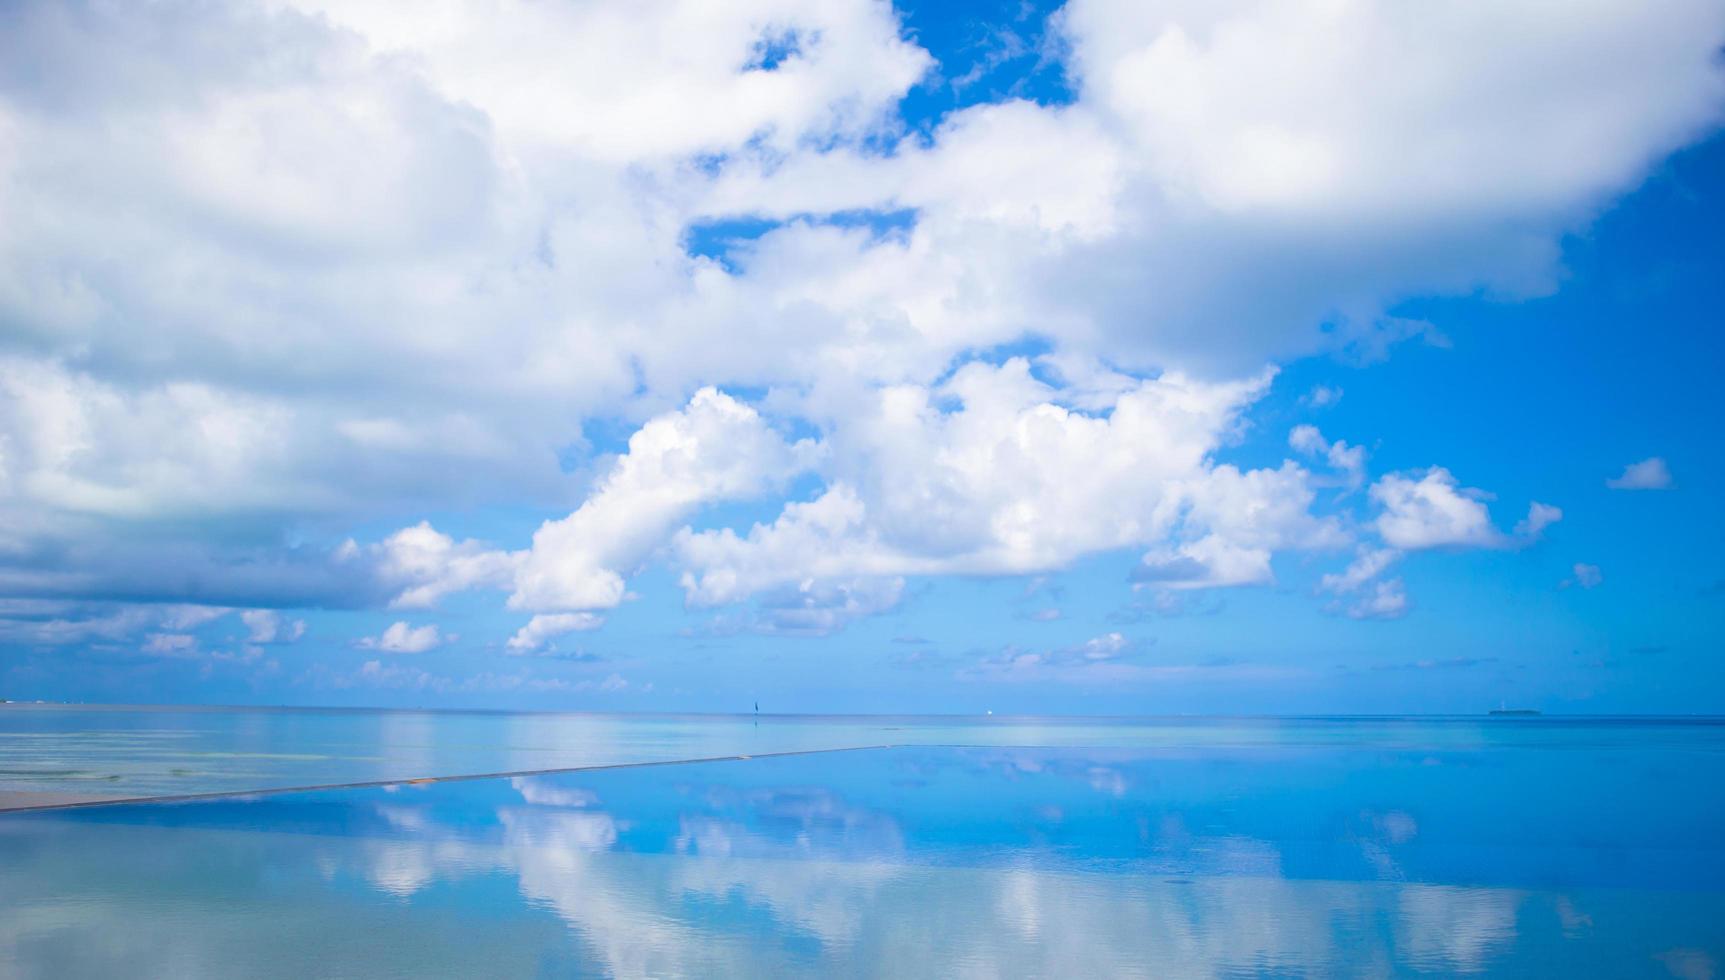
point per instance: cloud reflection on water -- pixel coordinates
(929, 862)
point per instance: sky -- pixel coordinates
(1308, 356)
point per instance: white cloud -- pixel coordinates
(541, 628)
(47, 622)
(1321, 396)
(1108, 646)
(1254, 105)
(402, 638)
(184, 617)
(1367, 565)
(1539, 517)
(1237, 174)
(1372, 597)
(1068, 662)
(300, 264)
(714, 449)
(170, 644)
(819, 607)
(975, 476)
(421, 565)
(1384, 600)
(823, 538)
(1236, 520)
(269, 626)
(655, 80)
(1349, 461)
(1649, 474)
(1432, 511)
(82, 447)
(1587, 576)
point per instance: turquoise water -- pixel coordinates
(155, 751)
(1240, 847)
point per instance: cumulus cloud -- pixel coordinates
(1257, 105)
(278, 271)
(1360, 593)
(838, 66)
(1348, 461)
(269, 626)
(967, 476)
(819, 607)
(542, 628)
(1227, 184)
(1431, 510)
(420, 565)
(399, 637)
(1649, 474)
(1539, 517)
(716, 448)
(1416, 511)
(974, 476)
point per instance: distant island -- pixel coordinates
(1515, 712)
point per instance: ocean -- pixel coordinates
(857, 846)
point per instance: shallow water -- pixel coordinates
(1237, 848)
(155, 751)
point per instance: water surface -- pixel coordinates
(1321, 847)
(155, 751)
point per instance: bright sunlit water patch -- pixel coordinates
(1204, 848)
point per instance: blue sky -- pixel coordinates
(1109, 358)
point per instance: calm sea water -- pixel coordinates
(1317, 847)
(154, 751)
